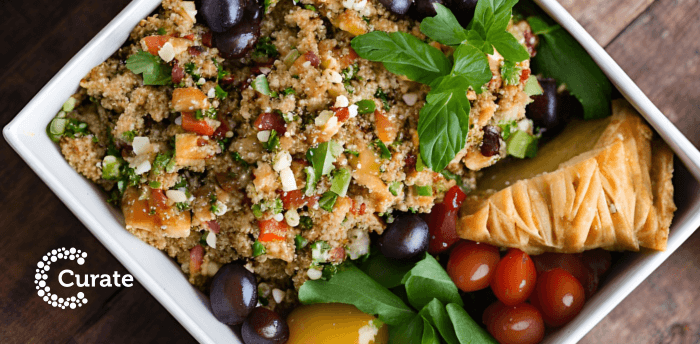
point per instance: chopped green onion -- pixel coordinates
(310, 187)
(154, 184)
(111, 168)
(219, 92)
(420, 166)
(306, 223)
(522, 145)
(258, 249)
(424, 190)
(203, 238)
(341, 181)
(56, 128)
(327, 200)
(300, 242)
(352, 152)
(319, 252)
(272, 142)
(261, 85)
(292, 56)
(257, 210)
(366, 106)
(69, 105)
(237, 158)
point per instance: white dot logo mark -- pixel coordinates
(41, 277)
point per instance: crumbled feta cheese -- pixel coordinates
(410, 98)
(201, 81)
(353, 110)
(314, 274)
(211, 93)
(278, 295)
(176, 196)
(211, 239)
(323, 117)
(335, 77)
(141, 145)
(525, 125)
(178, 120)
(263, 135)
(278, 217)
(288, 181)
(143, 167)
(229, 134)
(357, 5)
(190, 9)
(281, 161)
(265, 70)
(368, 333)
(341, 101)
(292, 217)
(167, 52)
(358, 243)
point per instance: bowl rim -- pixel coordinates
(30, 146)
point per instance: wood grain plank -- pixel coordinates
(604, 20)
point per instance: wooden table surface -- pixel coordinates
(656, 42)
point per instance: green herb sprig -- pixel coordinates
(151, 67)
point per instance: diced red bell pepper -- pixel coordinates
(342, 113)
(154, 43)
(271, 230)
(196, 258)
(269, 121)
(199, 126)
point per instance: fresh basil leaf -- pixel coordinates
(154, 71)
(508, 46)
(352, 286)
(472, 65)
(410, 331)
(429, 334)
(428, 280)
(323, 157)
(561, 57)
(466, 329)
(403, 54)
(444, 27)
(488, 30)
(387, 272)
(443, 124)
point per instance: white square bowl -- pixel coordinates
(163, 278)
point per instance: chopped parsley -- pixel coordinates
(265, 49)
(272, 142)
(306, 223)
(237, 158)
(129, 136)
(219, 92)
(379, 94)
(190, 67)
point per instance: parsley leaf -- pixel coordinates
(402, 54)
(444, 122)
(561, 57)
(219, 92)
(154, 71)
(488, 30)
(264, 48)
(444, 27)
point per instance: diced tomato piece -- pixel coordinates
(194, 50)
(442, 229)
(454, 198)
(196, 258)
(341, 113)
(358, 209)
(154, 43)
(524, 76)
(293, 199)
(199, 126)
(206, 39)
(190, 37)
(214, 226)
(220, 132)
(271, 230)
(312, 58)
(269, 121)
(177, 73)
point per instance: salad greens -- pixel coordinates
(382, 287)
(154, 71)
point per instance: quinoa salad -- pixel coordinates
(286, 136)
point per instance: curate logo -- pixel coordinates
(72, 302)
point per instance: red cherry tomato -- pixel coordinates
(492, 311)
(471, 265)
(520, 324)
(443, 221)
(559, 296)
(514, 278)
(573, 264)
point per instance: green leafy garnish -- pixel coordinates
(306, 223)
(341, 181)
(300, 242)
(220, 72)
(444, 27)
(365, 106)
(153, 69)
(321, 159)
(488, 30)
(428, 280)
(466, 329)
(383, 97)
(561, 57)
(258, 249)
(327, 200)
(403, 54)
(190, 68)
(510, 73)
(237, 158)
(384, 152)
(287, 91)
(265, 49)
(508, 128)
(129, 136)
(272, 142)
(522, 145)
(162, 162)
(219, 92)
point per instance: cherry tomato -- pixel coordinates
(519, 324)
(559, 296)
(443, 221)
(514, 278)
(471, 265)
(573, 264)
(272, 230)
(492, 311)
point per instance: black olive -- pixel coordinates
(550, 111)
(463, 10)
(233, 293)
(405, 238)
(399, 7)
(491, 144)
(424, 8)
(238, 40)
(264, 326)
(221, 15)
